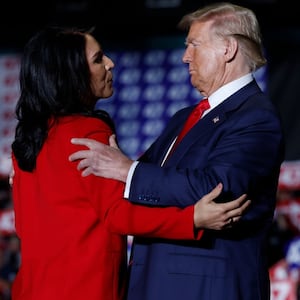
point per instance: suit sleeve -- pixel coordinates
(244, 153)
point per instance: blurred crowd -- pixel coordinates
(284, 244)
(9, 243)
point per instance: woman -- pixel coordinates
(73, 229)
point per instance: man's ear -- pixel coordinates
(231, 48)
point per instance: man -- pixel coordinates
(238, 142)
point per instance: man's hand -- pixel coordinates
(101, 159)
(211, 215)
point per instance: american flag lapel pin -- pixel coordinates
(216, 119)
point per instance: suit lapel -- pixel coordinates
(215, 118)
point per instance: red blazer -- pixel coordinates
(73, 228)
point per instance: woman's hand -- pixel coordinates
(211, 215)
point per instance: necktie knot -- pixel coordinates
(193, 118)
(196, 114)
(191, 121)
(201, 107)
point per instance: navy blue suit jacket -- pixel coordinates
(240, 144)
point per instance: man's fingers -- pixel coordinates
(90, 143)
(86, 172)
(78, 155)
(83, 141)
(82, 165)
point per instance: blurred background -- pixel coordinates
(151, 83)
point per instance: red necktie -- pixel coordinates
(193, 118)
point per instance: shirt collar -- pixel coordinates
(228, 89)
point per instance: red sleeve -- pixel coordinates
(125, 217)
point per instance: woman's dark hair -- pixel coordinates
(54, 81)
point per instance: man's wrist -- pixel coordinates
(129, 178)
